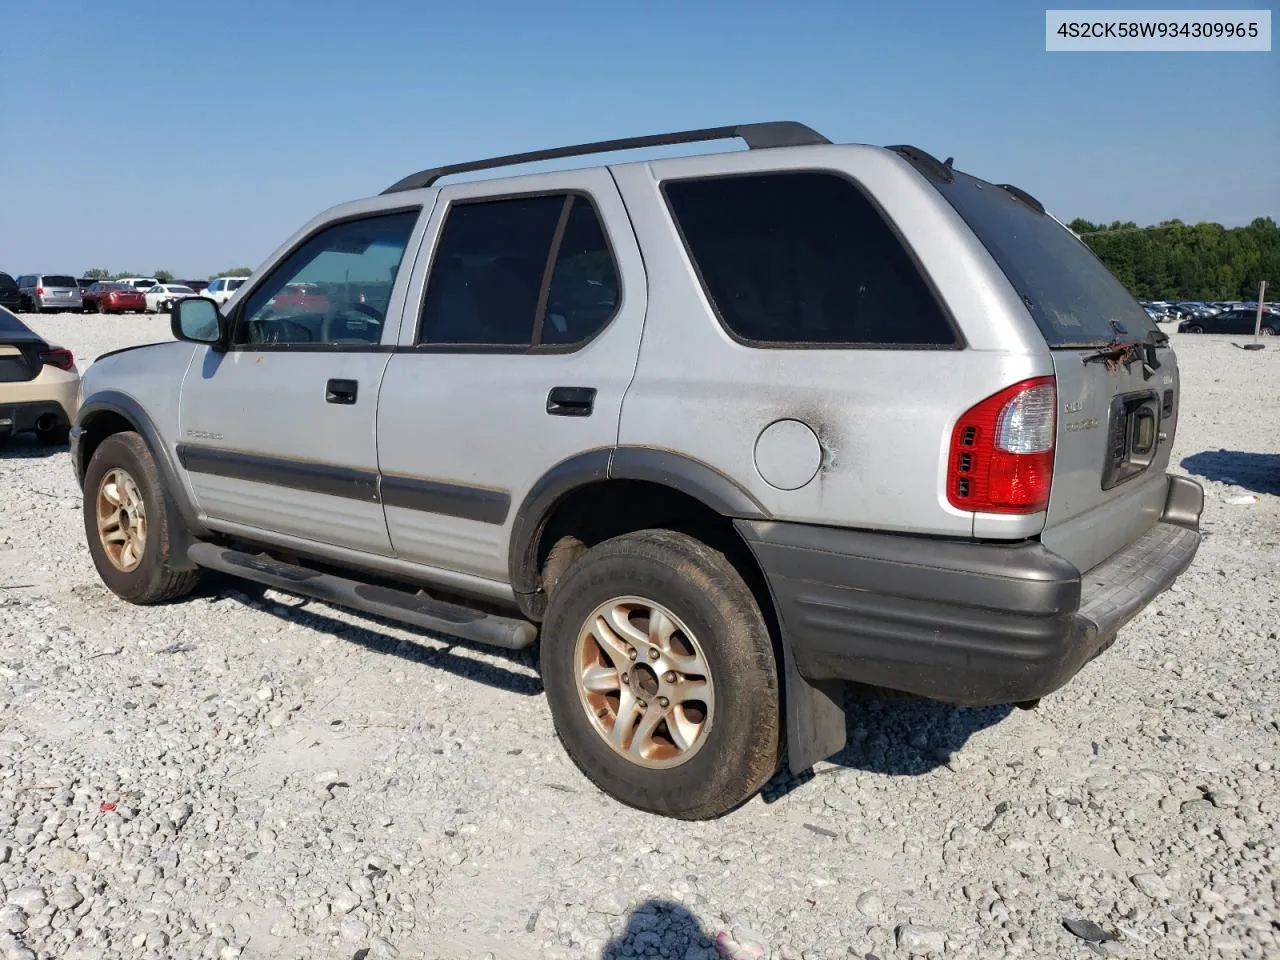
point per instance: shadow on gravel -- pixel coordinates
(310, 613)
(660, 928)
(1259, 472)
(900, 738)
(26, 447)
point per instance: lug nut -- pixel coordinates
(626, 678)
(669, 676)
(653, 654)
(632, 653)
(664, 702)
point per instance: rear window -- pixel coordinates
(58, 280)
(7, 282)
(11, 324)
(804, 259)
(1072, 297)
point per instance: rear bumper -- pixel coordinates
(20, 417)
(966, 623)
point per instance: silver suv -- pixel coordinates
(719, 432)
(49, 291)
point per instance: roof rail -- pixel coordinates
(781, 133)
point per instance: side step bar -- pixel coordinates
(415, 609)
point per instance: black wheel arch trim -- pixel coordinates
(663, 467)
(123, 405)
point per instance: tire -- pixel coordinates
(1195, 328)
(736, 746)
(1267, 331)
(146, 575)
(97, 307)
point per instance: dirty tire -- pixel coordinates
(154, 580)
(741, 745)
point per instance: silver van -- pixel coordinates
(49, 291)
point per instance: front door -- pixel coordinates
(515, 359)
(277, 432)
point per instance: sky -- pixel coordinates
(146, 135)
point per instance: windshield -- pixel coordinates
(58, 280)
(1072, 297)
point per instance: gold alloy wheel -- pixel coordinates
(644, 682)
(122, 520)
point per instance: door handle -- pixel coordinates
(571, 401)
(341, 391)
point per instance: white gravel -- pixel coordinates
(248, 775)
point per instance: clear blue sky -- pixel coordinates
(143, 135)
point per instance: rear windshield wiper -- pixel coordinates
(1126, 352)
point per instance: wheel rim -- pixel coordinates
(1268, 332)
(644, 682)
(122, 520)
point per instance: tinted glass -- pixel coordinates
(318, 294)
(11, 324)
(487, 272)
(1073, 298)
(237, 284)
(804, 258)
(7, 282)
(59, 280)
(180, 290)
(583, 296)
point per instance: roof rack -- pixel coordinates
(781, 133)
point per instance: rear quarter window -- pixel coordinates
(804, 259)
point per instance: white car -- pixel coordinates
(162, 296)
(139, 283)
(222, 288)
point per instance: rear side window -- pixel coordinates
(1073, 298)
(522, 272)
(804, 259)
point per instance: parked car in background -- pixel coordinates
(114, 296)
(49, 291)
(139, 283)
(162, 297)
(300, 298)
(10, 295)
(1239, 320)
(39, 383)
(221, 289)
(197, 285)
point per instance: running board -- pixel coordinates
(415, 609)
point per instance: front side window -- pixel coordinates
(319, 293)
(804, 258)
(520, 273)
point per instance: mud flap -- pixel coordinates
(815, 717)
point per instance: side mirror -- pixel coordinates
(197, 320)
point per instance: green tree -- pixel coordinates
(97, 273)
(164, 276)
(236, 272)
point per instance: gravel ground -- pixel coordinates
(244, 774)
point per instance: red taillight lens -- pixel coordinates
(1001, 457)
(59, 357)
(39, 291)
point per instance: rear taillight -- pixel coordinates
(39, 291)
(59, 357)
(1001, 457)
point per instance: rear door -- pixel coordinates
(1116, 415)
(520, 338)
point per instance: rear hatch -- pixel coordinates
(19, 351)
(1117, 408)
(60, 287)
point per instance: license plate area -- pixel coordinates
(1133, 436)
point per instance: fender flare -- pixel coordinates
(123, 405)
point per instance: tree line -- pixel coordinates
(164, 276)
(1181, 261)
